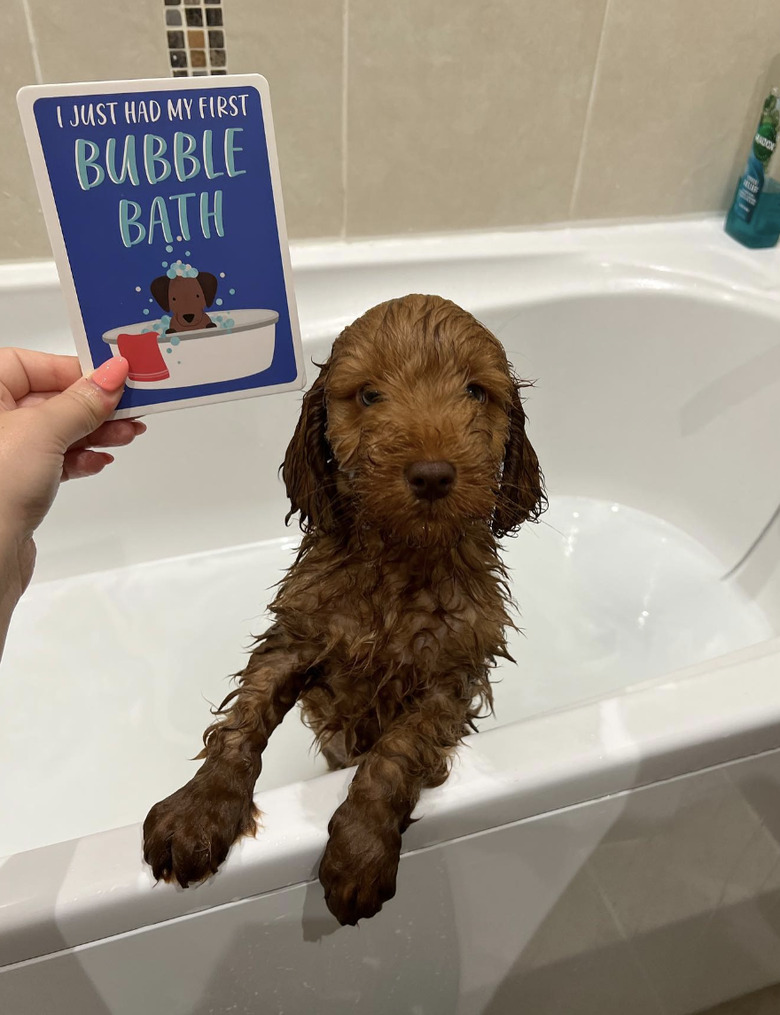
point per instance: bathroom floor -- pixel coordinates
(762, 1002)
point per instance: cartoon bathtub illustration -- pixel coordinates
(189, 346)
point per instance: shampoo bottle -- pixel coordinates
(754, 216)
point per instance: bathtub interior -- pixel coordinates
(652, 416)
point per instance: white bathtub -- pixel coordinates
(609, 843)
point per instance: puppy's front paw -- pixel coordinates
(188, 835)
(359, 867)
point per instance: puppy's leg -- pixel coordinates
(358, 869)
(188, 835)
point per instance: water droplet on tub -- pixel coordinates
(169, 350)
(169, 248)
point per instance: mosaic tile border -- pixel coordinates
(196, 37)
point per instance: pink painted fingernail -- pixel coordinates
(112, 374)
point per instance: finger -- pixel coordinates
(26, 370)
(81, 463)
(116, 433)
(85, 405)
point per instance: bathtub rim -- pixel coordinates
(698, 718)
(691, 250)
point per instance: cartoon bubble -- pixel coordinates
(146, 310)
(188, 253)
(218, 302)
(138, 288)
(164, 264)
(175, 340)
(232, 292)
(182, 270)
(222, 274)
(178, 239)
(169, 350)
(169, 248)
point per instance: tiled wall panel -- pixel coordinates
(429, 116)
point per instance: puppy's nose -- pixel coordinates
(189, 318)
(430, 480)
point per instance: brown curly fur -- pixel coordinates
(389, 621)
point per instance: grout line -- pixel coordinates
(33, 41)
(588, 112)
(344, 113)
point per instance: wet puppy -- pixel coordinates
(409, 461)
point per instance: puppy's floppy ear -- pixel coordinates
(309, 469)
(208, 284)
(521, 493)
(159, 289)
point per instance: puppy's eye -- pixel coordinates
(477, 392)
(369, 396)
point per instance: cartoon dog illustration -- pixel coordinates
(185, 298)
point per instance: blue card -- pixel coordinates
(163, 203)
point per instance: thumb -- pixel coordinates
(82, 407)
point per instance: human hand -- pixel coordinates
(50, 420)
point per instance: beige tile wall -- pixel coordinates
(306, 93)
(434, 115)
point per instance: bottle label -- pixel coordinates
(764, 144)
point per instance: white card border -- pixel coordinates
(26, 98)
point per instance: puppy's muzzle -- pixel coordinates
(430, 480)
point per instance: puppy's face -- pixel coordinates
(185, 299)
(418, 402)
(415, 428)
(187, 304)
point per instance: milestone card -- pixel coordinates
(164, 209)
